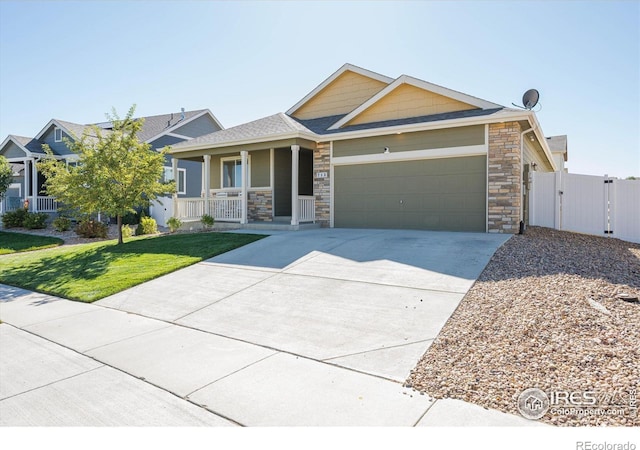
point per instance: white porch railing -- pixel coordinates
(42, 204)
(224, 209)
(189, 208)
(307, 208)
(46, 204)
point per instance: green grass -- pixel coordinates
(20, 242)
(89, 272)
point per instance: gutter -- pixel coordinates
(522, 173)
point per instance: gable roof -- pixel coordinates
(276, 126)
(157, 126)
(71, 128)
(345, 68)
(28, 144)
(420, 84)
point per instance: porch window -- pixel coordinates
(232, 172)
(181, 182)
(57, 134)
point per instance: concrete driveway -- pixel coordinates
(315, 327)
(368, 300)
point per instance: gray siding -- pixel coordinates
(198, 127)
(260, 168)
(422, 140)
(11, 150)
(58, 147)
(194, 175)
(163, 141)
(437, 194)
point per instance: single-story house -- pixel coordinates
(366, 150)
(23, 153)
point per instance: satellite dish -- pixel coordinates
(529, 99)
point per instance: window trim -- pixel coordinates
(184, 178)
(234, 158)
(55, 134)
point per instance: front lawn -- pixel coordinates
(20, 242)
(93, 271)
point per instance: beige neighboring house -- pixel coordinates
(363, 150)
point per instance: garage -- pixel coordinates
(428, 194)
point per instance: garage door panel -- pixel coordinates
(441, 194)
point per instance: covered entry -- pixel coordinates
(429, 194)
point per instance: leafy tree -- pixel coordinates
(6, 176)
(633, 178)
(115, 172)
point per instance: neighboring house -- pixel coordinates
(558, 147)
(167, 129)
(365, 150)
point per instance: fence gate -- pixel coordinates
(602, 206)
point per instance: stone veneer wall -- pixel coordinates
(504, 178)
(322, 186)
(260, 206)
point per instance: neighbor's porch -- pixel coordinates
(26, 188)
(271, 186)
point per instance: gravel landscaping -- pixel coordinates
(552, 310)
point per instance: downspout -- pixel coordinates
(521, 180)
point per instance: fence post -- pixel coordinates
(609, 205)
(558, 193)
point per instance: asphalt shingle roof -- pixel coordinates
(321, 125)
(29, 143)
(270, 126)
(154, 125)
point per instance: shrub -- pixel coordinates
(91, 229)
(131, 218)
(61, 223)
(207, 221)
(127, 231)
(147, 225)
(174, 224)
(15, 218)
(34, 221)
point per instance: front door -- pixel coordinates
(282, 182)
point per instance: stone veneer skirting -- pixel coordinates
(322, 186)
(504, 178)
(260, 206)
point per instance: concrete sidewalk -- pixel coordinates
(66, 363)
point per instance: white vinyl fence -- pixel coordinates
(602, 206)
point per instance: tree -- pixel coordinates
(115, 172)
(6, 176)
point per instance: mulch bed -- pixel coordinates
(552, 310)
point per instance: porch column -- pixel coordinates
(295, 158)
(245, 175)
(174, 168)
(27, 181)
(34, 184)
(207, 183)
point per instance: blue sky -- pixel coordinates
(245, 60)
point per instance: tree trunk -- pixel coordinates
(119, 228)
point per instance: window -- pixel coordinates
(57, 134)
(181, 182)
(232, 173)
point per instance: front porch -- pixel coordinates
(26, 189)
(262, 188)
